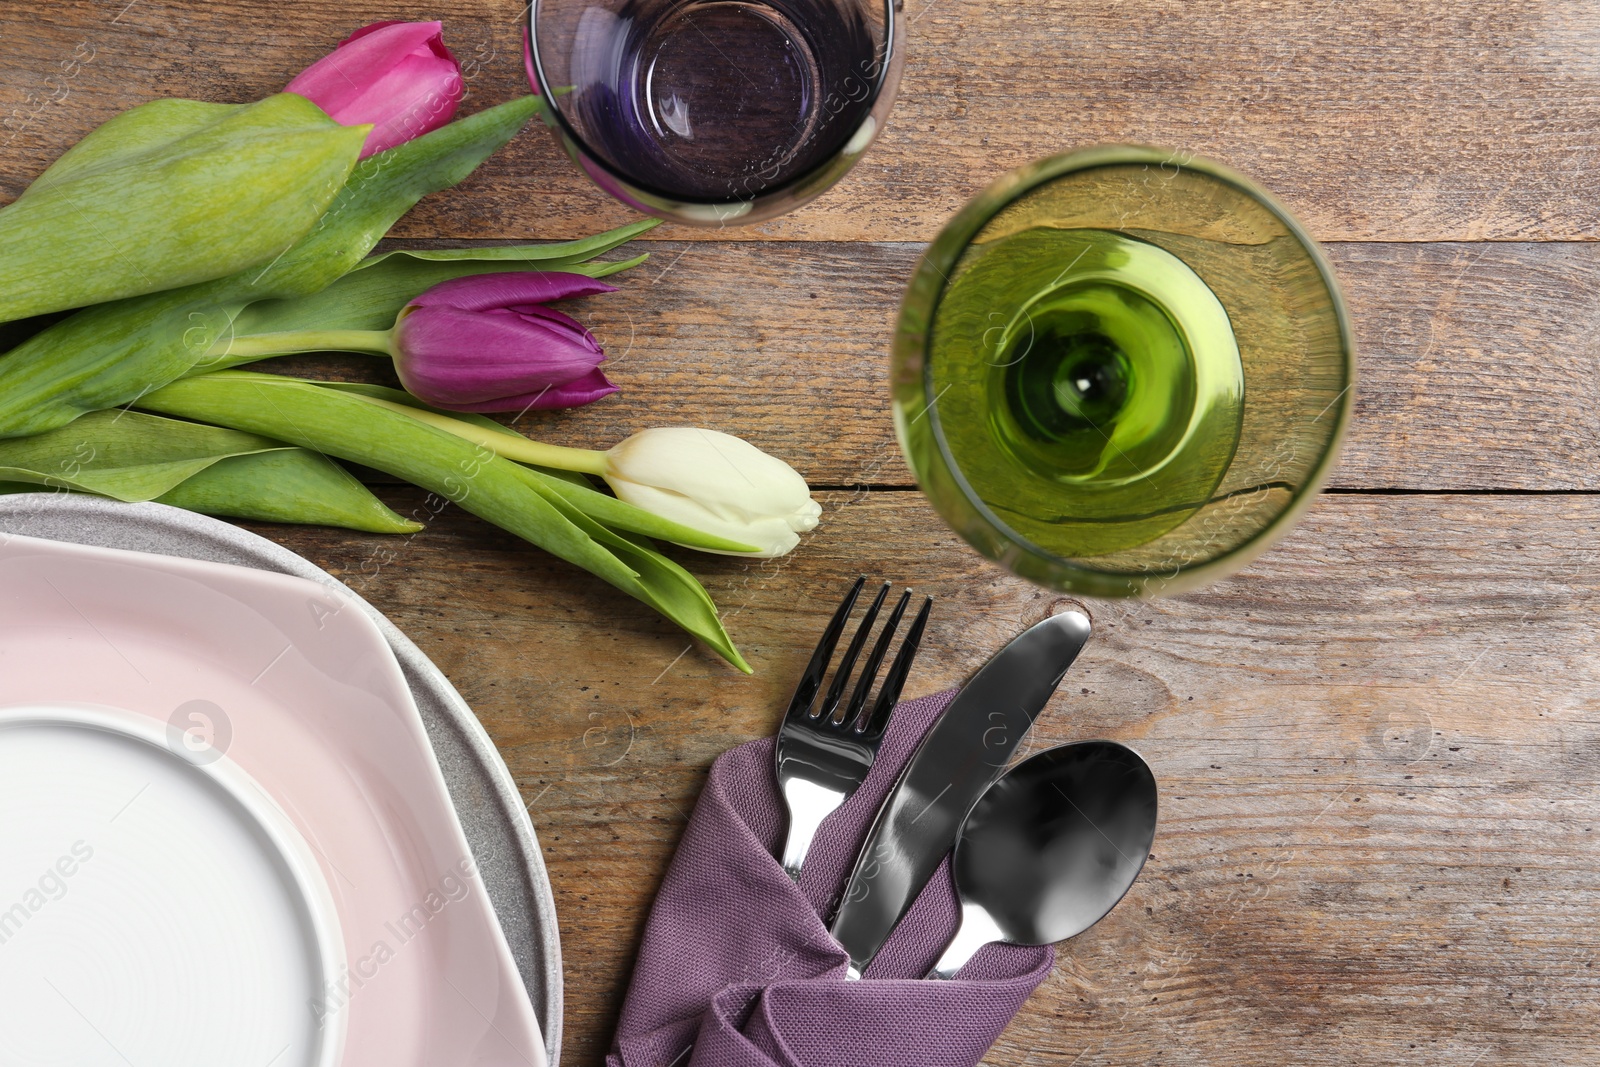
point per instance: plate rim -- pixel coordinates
(172, 527)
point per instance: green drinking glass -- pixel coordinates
(1122, 371)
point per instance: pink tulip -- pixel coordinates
(398, 76)
(486, 342)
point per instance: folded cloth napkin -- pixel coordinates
(737, 968)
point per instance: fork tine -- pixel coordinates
(869, 673)
(895, 680)
(805, 693)
(848, 664)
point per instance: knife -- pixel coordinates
(960, 756)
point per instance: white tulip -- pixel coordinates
(713, 483)
(716, 483)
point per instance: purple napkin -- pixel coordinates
(736, 961)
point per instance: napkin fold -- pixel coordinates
(737, 968)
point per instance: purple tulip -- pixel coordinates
(398, 76)
(486, 342)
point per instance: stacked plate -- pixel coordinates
(245, 820)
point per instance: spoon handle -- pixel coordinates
(977, 929)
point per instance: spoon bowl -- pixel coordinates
(1051, 847)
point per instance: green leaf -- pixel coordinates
(127, 455)
(131, 134)
(382, 188)
(400, 396)
(582, 249)
(107, 355)
(292, 485)
(338, 424)
(371, 298)
(16, 331)
(574, 488)
(171, 197)
(103, 356)
(329, 422)
(661, 583)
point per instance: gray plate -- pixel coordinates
(486, 798)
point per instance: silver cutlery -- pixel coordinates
(1051, 848)
(823, 755)
(958, 759)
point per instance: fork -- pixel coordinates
(822, 757)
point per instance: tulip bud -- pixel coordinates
(486, 342)
(698, 488)
(716, 483)
(397, 76)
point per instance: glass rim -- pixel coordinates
(552, 106)
(934, 269)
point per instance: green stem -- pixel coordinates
(521, 449)
(338, 424)
(262, 345)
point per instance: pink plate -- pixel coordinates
(298, 688)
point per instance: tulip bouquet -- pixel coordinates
(194, 238)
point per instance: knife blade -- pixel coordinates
(961, 755)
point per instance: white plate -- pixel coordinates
(295, 684)
(153, 892)
(487, 801)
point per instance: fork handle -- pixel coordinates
(808, 803)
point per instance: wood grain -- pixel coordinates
(1373, 119)
(1378, 751)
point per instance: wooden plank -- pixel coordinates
(1464, 385)
(1377, 750)
(1373, 119)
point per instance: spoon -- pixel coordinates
(1051, 847)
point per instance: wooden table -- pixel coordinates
(1378, 747)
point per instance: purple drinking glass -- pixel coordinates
(715, 112)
